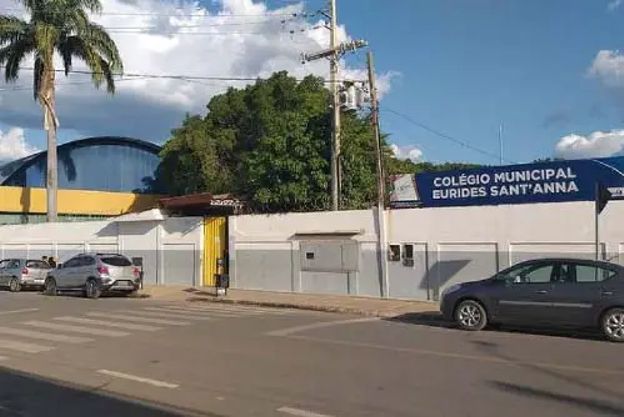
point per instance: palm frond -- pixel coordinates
(94, 6)
(12, 55)
(97, 37)
(11, 28)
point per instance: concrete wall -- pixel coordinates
(265, 252)
(448, 245)
(171, 249)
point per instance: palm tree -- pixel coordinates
(62, 27)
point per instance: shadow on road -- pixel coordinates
(24, 394)
(589, 404)
(492, 349)
(435, 319)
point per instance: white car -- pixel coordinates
(93, 274)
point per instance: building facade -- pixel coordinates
(98, 177)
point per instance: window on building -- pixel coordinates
(394, 253)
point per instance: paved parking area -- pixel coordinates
(142, 357)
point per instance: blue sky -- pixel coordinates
(467, 66)
(464, 66)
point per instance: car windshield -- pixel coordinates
(116, 260)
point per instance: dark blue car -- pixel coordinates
(543, 292)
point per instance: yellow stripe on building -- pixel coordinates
(78, 202)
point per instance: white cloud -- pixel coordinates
(596, 144)
(407, 152)
(238, 45)
(608, 67)
(614, 4)
(13, 145)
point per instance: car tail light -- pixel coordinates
(136, 272)
(25, 271)
(102, 270)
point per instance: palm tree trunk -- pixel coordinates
(50, 125)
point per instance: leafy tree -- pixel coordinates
(269, 143)
(273, 140)
(60, 26)
(405, 166)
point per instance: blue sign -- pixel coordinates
(543, 182)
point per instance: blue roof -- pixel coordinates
(98, 163)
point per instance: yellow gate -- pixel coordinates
(215, 245)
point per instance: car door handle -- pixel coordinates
(541, 292)
(607, 293)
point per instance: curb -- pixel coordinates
(308, 307)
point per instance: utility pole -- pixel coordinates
(333, 79)
(334, 53)
(375, 124)
(381, 182)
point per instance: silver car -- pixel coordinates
(94, 274)
(19, 273)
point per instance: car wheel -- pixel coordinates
(14, 285)
(50, 288)
(470, 315)
(92, 289)
(613, 324)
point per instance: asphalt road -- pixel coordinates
(59, 357)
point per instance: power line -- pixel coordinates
(185, 14)
(152, 30)
(180, 77)
(29, 88)
(445, 136)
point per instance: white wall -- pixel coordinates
(450, 244)
(171, 249)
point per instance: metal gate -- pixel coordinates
(215, 248)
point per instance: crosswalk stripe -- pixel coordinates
(33, 334)
(234, 308)
(191, 314)
(23, 347)
(139, 319)
(212, 310)
(76, 329)
(127, 326)
(157, 314)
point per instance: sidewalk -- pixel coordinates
(366, 306)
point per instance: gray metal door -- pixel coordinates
(407, 271)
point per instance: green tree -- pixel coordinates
(273, 140)
(269, 143)
(60, 26)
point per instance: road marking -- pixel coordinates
(127, 326)
(319, 325)
(138, 319)
(76, 329)
(210, 310)
(238, 307)
(451, 355)
(154, 382)
(22, 310)
(23, 347)
(300, 413)
(44, 336)
(195, 314)
(157, 316)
